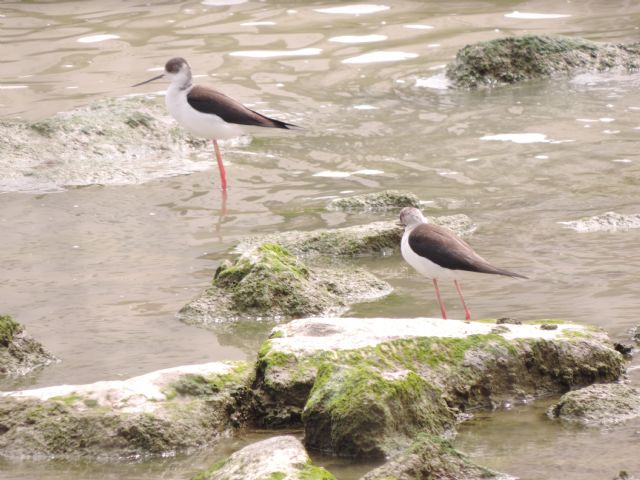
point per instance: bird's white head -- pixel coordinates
(177, 70)
(410, 217)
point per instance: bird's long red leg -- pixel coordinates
(467, 313)
(223, 174)
(435, 285)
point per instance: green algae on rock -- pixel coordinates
(268, 283)
(160, 413)
(377, 238)
(277, 458)
(112, 141)
(514, 59)
(598, 405)
(327, 372)
(375, 202)
(434, 458)
(19, 353)
(360, 411)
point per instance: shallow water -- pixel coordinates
(98, 272)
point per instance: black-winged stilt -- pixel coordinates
(206, 112)
(436, 252)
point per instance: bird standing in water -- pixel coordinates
(436, 252)
(206, 112)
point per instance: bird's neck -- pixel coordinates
(182, 81)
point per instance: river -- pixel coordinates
(97, 272)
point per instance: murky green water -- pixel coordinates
(98, 272)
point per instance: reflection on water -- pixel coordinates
(98, 272)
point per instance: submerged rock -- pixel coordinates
(377, 238)
(375, 202)
(113, 141)
(278, 458)
(598, 405)
(433, 458)
(364, 387)
(159, 413)
(514, 59)
(607, 222)
(19, 353)
(268, 283)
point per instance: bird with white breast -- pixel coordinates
(437, 253)
(206, 112)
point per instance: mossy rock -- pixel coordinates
(375, 202)
(277, 458)
(361, 386)
(112, 141)
(372, 239)
(158, 414)
(431, 457)
(367, 412)
(598, 405)
(515, 59)
(19, 353)
(269, 284)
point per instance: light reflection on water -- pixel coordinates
(107, 307)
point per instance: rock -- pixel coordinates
(160, 413)
(431, 458)
(375, 202)
(515, 59)
(548, 326)
(624, 475)
(635, 333)
(113, 141)
(377, 238)
(607, 222)
(625, 350)
(598, 405)
(278, 458)
(509, 320)
(364, 387)
(19, 353)
(267, 283)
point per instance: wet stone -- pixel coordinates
(514, 59)
(277, 458)
(375, 202)
(598, 405)
(19, 352)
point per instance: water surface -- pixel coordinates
(98, 272)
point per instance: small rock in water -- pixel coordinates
(625, 350)
(19, 353)
(635, 333)
(607, 222)
(375, 202)
(512, 321)
(277, 458)
(598, 405)
(548, 326)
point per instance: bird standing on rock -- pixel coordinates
(436, 252)
(206, 112)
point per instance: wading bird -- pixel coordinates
(206, 112)
(437, 253)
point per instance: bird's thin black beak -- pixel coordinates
(400, 224)
(150, 80)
